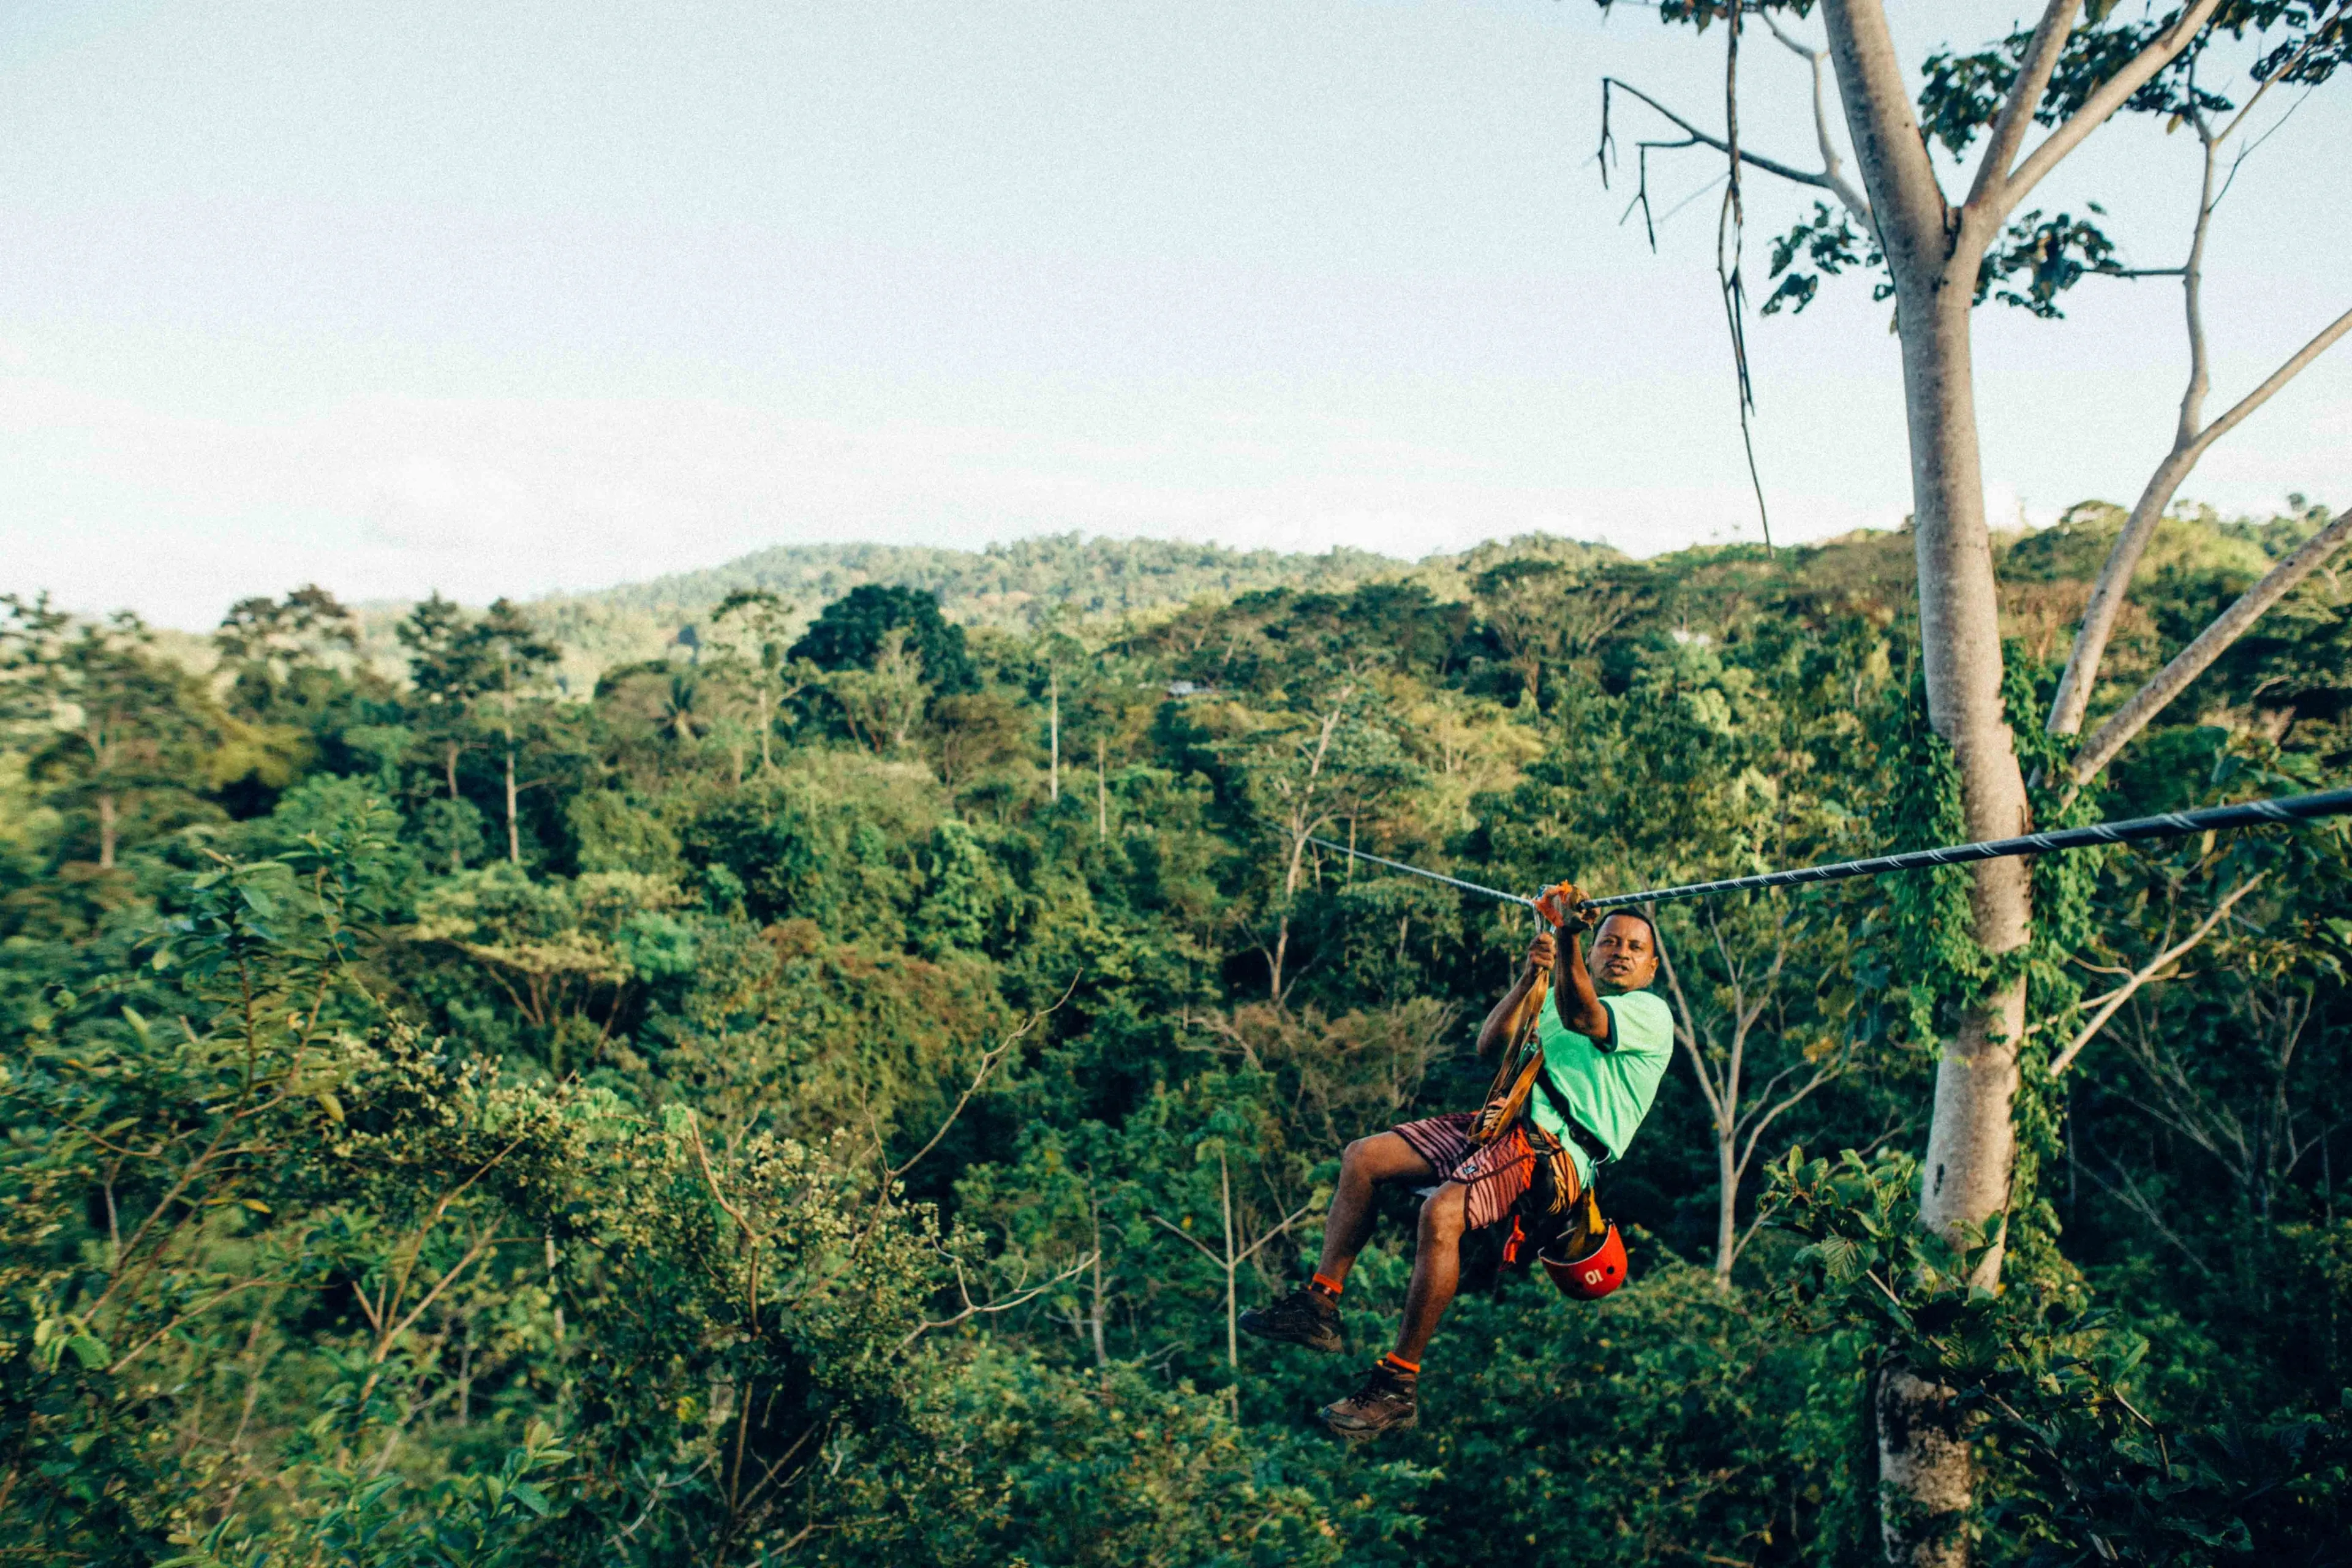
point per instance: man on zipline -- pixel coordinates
(1574, 1099)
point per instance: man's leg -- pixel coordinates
(1309, 1315)
(1436, 1269)
(1363, 1164)
(1387, 1398)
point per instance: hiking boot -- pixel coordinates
(1305, 1317)
(1383, 1402)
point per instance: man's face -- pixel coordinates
(1624, 958)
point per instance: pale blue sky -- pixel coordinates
(506, 298)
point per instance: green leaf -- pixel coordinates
(530, 1497)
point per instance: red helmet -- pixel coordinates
(1593, 1276)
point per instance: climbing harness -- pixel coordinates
(2171, 824)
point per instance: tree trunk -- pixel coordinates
(1233, 1269)
(1934, 252)
(106, 830)
(1924, 1463)
(1303, 824)
(1970, 1142)
(514, 835)
(449, 761)
(1726, 1204)
(1054, 740)
(1923, 1471)
(1095, 1317)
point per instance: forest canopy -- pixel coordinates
(813, 1092)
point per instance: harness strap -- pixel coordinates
(1515, 1076)
(1586, 1139)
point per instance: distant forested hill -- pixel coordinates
(1013, 584)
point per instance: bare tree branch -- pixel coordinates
(1706, 139)
(2114, 584)
(2115, 999)
(2024, 97)
(2192, 661)
(979, 1308)
(1686, 1031)
(1213, 1256)
(2140, 1203)
(2295, 366)
(1833, 167)
(2110, 96)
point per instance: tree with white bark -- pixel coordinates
(2029, 100)
(1731, 1024)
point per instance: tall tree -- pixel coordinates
(266, 642)
(515, 659)
(445, 668)
(472, 675)
(848, 634)
(113, 721)
(1941, 258)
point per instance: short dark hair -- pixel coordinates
(1630, 915)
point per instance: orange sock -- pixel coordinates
(1402, 1367)
(1327, 1285)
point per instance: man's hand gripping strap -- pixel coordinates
(1554, 905)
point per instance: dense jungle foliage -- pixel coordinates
(821, 1095)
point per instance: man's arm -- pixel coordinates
(1580, 1003)
(1509, 1017)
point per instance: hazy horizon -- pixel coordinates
(556, 298)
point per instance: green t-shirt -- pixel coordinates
(1609, 1087)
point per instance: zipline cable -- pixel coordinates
(1432, 875)
(2171, 824)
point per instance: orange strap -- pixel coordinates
(1515, 1075)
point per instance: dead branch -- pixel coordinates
(1245, 1254)
(2140, 1203)
(1700, 139)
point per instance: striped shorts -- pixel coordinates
(1497, 1175)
